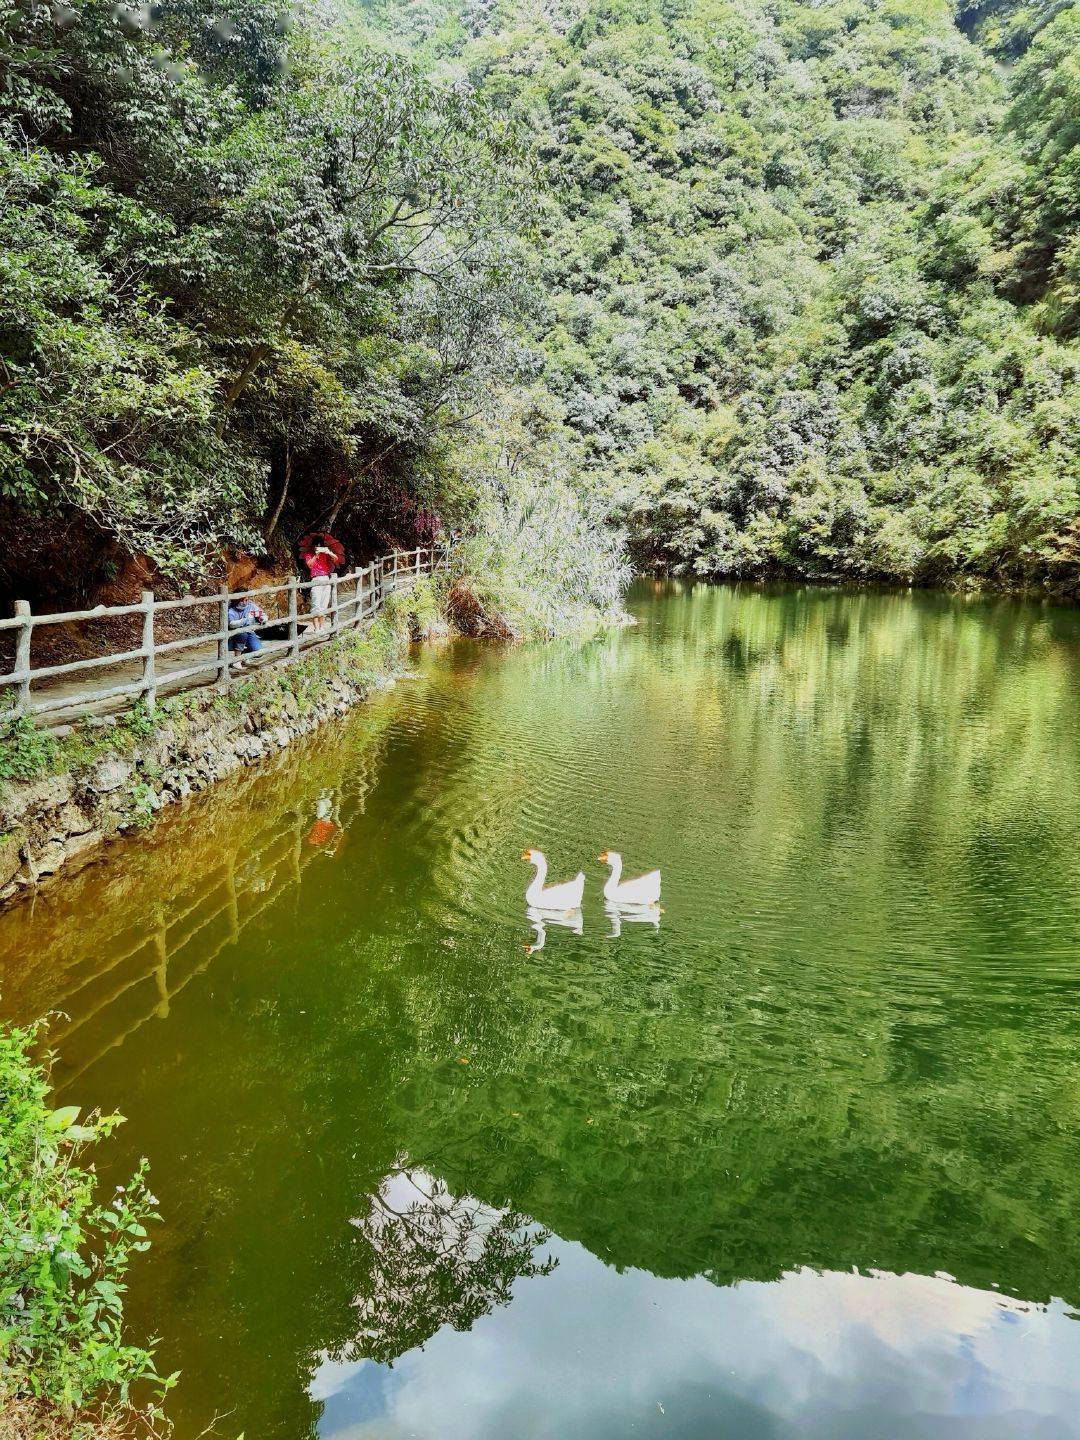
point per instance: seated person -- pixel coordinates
(243, 615)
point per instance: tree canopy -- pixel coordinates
(808, 271)
(238, 274)
(761, 285)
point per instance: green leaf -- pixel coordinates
(65, 1117)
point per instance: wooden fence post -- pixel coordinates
(22, 657)
(149, 676)
(354, 613)
(223, 639)
(294, 629)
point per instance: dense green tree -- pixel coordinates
(237, 273)
(809, 271)
(798, 288)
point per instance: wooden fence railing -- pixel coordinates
(147, 669)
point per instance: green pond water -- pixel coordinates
(799, 1160)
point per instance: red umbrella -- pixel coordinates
(319, 537)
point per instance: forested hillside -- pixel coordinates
(246, 288)
(768, 286)
(809, 273)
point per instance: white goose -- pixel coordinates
(645, 890)
(563, 897)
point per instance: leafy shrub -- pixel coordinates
(541, 555)
(415, 612)
(540, 566)
(26, 753)
(64, 1256)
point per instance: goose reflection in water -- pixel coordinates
(541, 919)
(632, 915)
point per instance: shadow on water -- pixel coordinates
(851, 1045)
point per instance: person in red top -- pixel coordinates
(322, 555)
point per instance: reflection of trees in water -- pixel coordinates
(894, 782)
(664, 1147)
(867, 706)
(436, 1259)
(897, 740)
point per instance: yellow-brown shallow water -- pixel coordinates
(805, 1152)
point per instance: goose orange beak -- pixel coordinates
(525, 854)
(602, 857)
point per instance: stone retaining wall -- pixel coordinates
(60, 820)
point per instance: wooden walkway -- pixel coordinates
(117, 679)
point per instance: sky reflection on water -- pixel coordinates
(590, 1352)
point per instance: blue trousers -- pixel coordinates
(245, 640)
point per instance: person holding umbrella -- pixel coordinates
(322, 554)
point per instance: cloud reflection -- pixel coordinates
(594, 1353)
